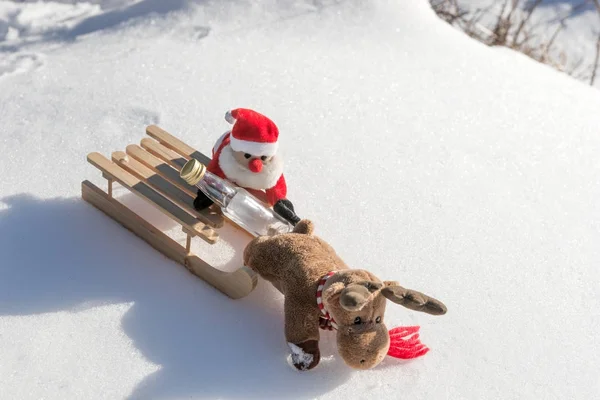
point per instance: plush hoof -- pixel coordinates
(305, 355)
(285, 208)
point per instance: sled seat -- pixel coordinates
(151, 172)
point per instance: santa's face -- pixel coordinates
(254, 163)
(250, 171)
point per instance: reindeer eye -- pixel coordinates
(264, 158)
(378, 319)
(247, 155)
(357, 320)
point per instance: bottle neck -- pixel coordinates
(218, 190)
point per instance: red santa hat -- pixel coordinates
(252, 132)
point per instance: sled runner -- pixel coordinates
(151, 171)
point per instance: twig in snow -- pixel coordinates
(525, 20)
(595, 65)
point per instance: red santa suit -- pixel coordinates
(254, 134)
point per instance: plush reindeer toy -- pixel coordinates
(322, 292)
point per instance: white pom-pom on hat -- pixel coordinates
(229, 117)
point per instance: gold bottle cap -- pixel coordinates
(193, 171)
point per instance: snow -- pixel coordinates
(462, 171)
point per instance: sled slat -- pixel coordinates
(136, 186)
(160, 166)
(236, 284)
(171, 142)
(158, 150)
(165, 188)
(210, 216)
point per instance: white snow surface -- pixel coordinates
(465, 172)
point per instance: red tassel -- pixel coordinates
(405, 343)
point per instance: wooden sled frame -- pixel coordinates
(151, 171)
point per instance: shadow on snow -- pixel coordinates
(64, 255)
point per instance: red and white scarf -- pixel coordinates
(326, 321)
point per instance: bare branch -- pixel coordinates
(574, 67)
(551, 41)
(515, 26)
(526, 19)
(595, 65)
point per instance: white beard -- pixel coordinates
(242, 176)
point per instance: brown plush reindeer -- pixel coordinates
(321, 291)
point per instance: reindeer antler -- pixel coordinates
(414, 300)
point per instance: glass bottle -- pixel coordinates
(236, 203)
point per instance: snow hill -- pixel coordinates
(469, 173)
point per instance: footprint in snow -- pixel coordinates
(120, 121)
(144, 116)
(195, 32)
(20, 63)
(200, 32)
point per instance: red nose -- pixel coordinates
(255, 165)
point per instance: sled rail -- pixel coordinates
(151, 172)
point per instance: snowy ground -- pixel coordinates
(466, 172)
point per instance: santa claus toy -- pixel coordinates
(247, 156)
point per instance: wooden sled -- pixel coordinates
(151, 171)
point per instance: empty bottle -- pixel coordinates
(236, 203)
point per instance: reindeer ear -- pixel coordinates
(414, 300)
(356, 295)
(371, 286)
(333, 291)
